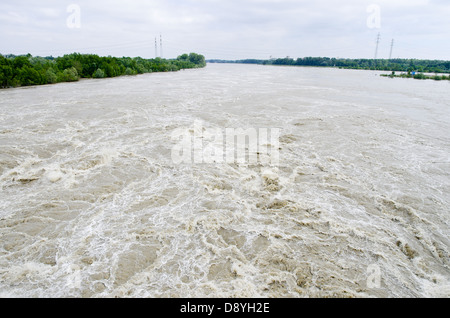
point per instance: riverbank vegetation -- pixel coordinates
(436, 77)
(412, 68)
(26, 70)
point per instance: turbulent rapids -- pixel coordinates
(93, 204)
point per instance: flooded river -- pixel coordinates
(357, 204)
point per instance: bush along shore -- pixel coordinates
(414, 75)
(26, 70)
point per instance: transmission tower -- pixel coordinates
(156, 48)
(392, 47)
(376, 49)
(161, 46)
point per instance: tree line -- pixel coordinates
(395, 65)
(27, 70)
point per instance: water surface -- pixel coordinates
(92, 204)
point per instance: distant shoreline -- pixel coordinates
(408, 68)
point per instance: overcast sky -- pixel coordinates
(227, 29)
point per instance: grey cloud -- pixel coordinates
(225, 29)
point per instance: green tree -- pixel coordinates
(197, 59)
(184, 57)
(6, 72)
(28, 76)
(69, 75)
(78, 66)
(99, 73)
(50, 76)
(129, 71)
(420, 76)
(141, 69)
(21, 61)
